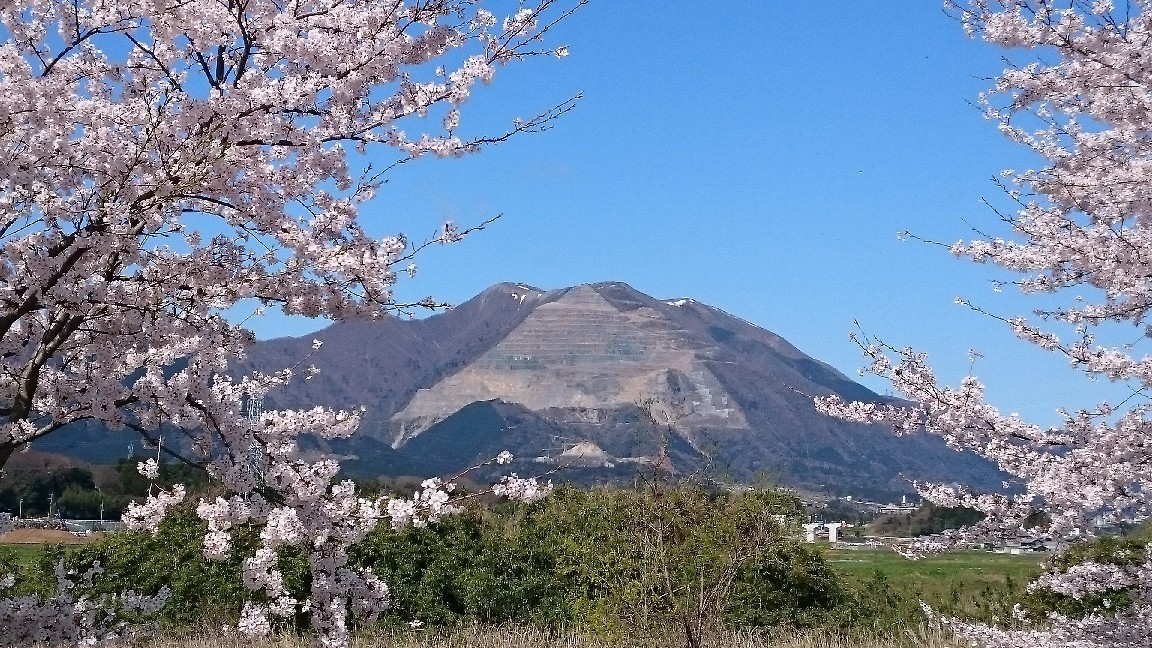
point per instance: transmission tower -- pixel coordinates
(253, 408)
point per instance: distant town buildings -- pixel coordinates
(903, 508)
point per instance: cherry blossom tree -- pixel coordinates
(1081, 232)
(162, 163)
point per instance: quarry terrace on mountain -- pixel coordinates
(602, 380)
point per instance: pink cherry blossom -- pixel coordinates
(162, 163)
(1082, 233)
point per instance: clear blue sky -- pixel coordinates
(760, 157)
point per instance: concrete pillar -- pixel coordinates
(833, 530)
(811, 530)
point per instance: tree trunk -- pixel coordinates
(6, 450)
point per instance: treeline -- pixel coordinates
(37, 488)
(926, 520)
(603, 560)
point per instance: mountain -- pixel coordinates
(603, 379)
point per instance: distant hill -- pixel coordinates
(646, 382)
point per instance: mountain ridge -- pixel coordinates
(608, 365)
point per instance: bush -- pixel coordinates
(792, 585)
(604, 560)
(610, 560)
(202, 591)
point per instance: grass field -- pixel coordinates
(976, 585)
(25, 553)
(976, 568)
(26, 543)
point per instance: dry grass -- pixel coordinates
(530, 638)
(44, 536)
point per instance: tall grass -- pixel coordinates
(521, 637)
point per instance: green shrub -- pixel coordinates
(790, 585)
(201, 590)
(427, 569)
(609, 560)
(603, 560)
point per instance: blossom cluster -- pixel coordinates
(323, 519)
(147, 515)
(429, 504)
(70, 618)
(522, 490)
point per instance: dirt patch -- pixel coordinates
(43, 536)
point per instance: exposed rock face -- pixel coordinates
(585, 454)
(672, 383)
(584, 354)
